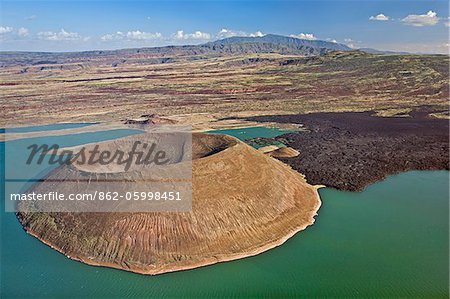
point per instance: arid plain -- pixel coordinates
(201, 89)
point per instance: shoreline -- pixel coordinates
(199, 124)
(253, 250)
(260, 250)
(210, 262)
(298, 211)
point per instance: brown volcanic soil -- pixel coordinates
(99, 89)
(351, 150)
(244, 203)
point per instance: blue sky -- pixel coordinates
(403, 25)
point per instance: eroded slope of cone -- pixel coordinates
(244, 203)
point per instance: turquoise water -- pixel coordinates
(389, 241)
(51, 127)
(17, 153)
(249, 133)
(252, 132)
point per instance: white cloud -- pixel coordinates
(131, 35)
(379, 17)
(257, 34)
(179, 34)
(11, 33)
(6, 29)
(138, 35)
(62, 35)
(308, 36)
(350, 42)
(143, 35)
(22, 31)
(428, 19)
(198, 35)
(224, 33)
(113, 36)
(448, 22)
(332, 40)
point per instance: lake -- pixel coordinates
(390, 240)
(60, 126)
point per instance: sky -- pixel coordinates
(398, 25)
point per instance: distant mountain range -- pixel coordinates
(275, 43)
(229, 46)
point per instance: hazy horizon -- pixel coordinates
(192, 44)
(72, 26)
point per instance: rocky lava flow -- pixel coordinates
(350, 150)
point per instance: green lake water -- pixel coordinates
(391, 240)
(249, 133)
(252, 132)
